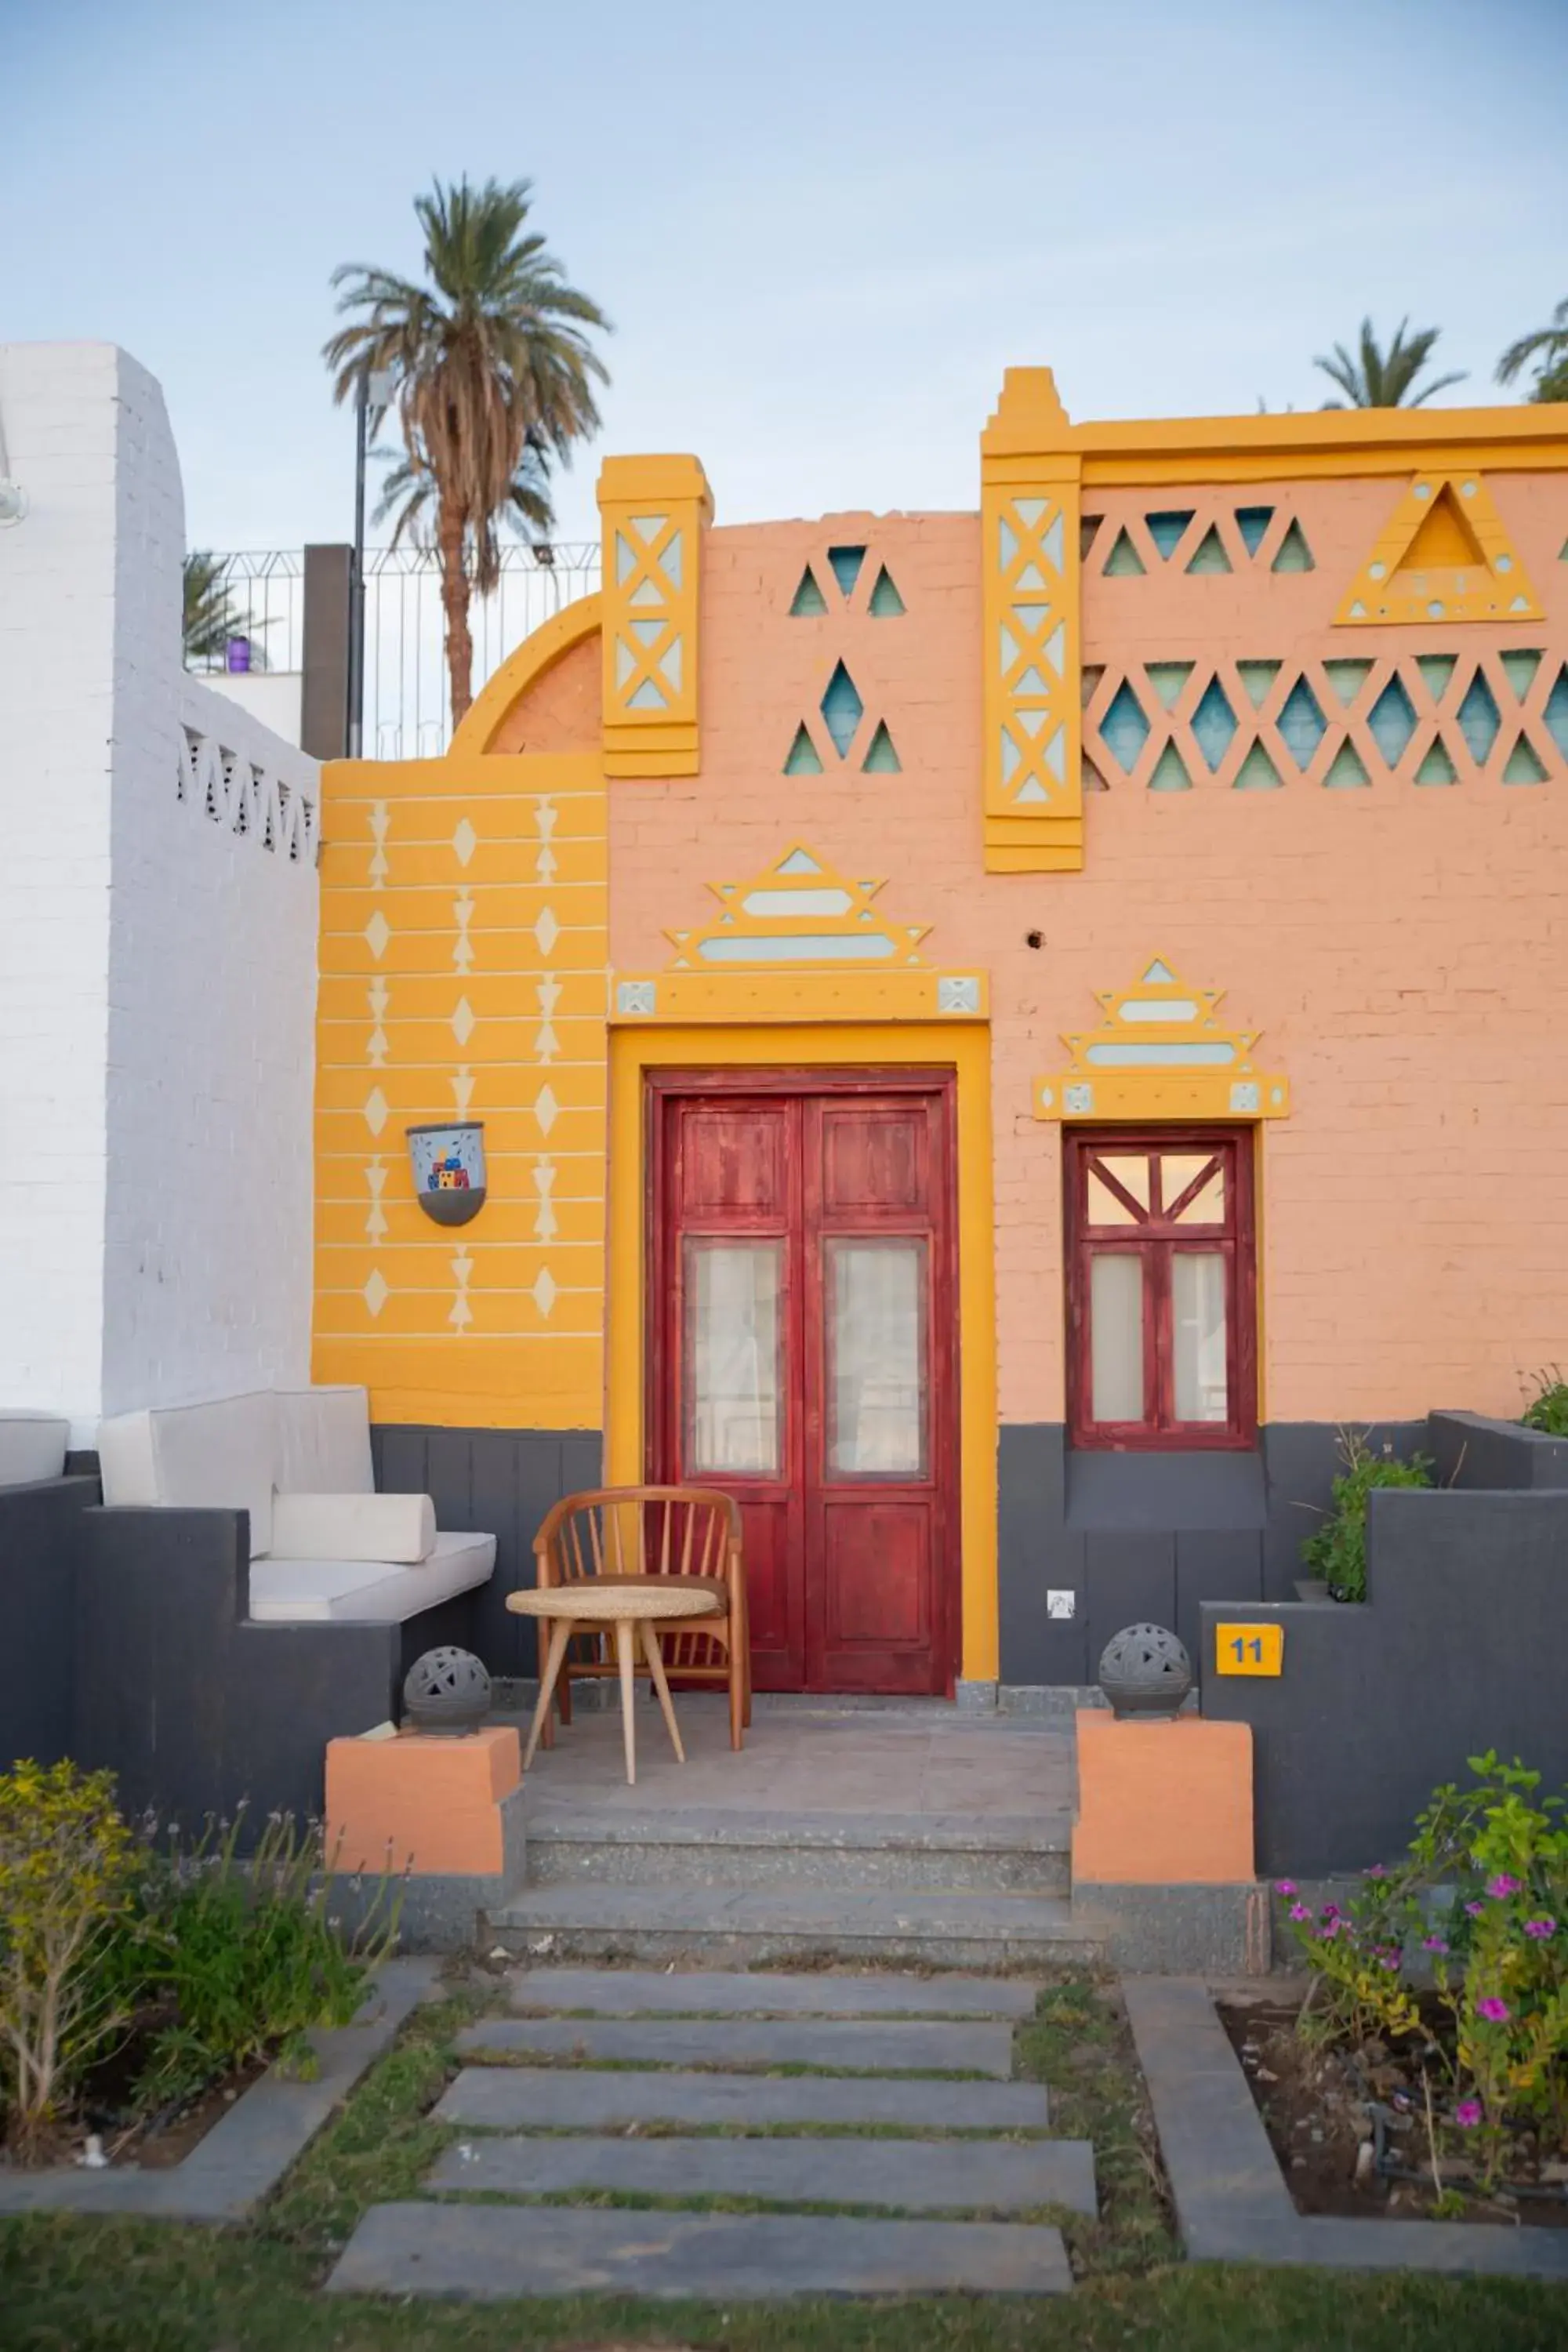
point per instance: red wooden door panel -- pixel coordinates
(804, 1356)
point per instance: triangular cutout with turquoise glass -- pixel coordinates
(1436, 670)
(1523, 764)
(1347, 677)
(804, 759)
(1258, 676)
(808, 596)
(1556, 712)
(885, 602)
(881, 759)
(846, 562)
(1294, 555)
(1253, 522)
(1124, 563)
(1519, 669)
(1211, 555)
(1345, 769)
(1170, 775)
(1166, 528)
(1435, 766)
(1258, 772)
(1167, 679)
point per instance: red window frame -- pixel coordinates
(1155, 1239)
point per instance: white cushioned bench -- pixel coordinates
(324, 1546)
(32, 1447)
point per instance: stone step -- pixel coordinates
(695, 1992)
(560, 2098)
(752, 1925)
(482, 2253)
(842, 2045)
(936, 2175)
(703, 1845)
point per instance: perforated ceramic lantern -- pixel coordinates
(1145, 1670)
(446, 1690)
(448, 1164)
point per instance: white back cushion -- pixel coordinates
(323, 1442)
(32, 1447)
(195, 1457)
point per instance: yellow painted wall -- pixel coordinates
(463, 958)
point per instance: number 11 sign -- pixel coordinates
(1249, 1649)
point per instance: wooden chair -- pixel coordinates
(691, 1532)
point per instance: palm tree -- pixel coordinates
(1379, 379)
(1549, 345)
(493, 378)
(212, 618)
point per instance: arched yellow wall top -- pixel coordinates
(487, 713)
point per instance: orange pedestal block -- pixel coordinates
(420, 1804)
(1162, 1804)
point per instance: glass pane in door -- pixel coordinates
(1116, 1335)
(875, 1306)
(735, 1381)
(1197, 1317)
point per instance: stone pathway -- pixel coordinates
(671, 2056)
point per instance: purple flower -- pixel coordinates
(1501, 1887)
(1494, 2011)
(1467, 2114)
(1388, 1960)
(1541, 1928)
(1284, 1887)
(1475, 1909)
(1299, 1911)
(1433, 1944)
(1330, 1911)
(1326, 1935)
(1376, 1871)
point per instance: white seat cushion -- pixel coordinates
(396, 1527)
(32, 1447)
(367, 1592)
(195, 1457)
(323, 1442)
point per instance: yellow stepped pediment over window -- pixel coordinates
(1444, 556)
(798, 941)
(1162, 1054)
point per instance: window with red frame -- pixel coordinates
(1161, 1289)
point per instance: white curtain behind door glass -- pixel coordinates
(1116, 1335)
(734, 1402)
(1197, 1303)
(877, 1368)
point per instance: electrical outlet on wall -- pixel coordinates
(1060, 1605)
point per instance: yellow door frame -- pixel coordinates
(965, 1048)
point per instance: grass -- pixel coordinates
(72, 2284)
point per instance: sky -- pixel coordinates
(821, 229)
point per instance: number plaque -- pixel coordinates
(1249, 1649)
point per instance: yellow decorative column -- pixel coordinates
(1030, 479)
(653, 512)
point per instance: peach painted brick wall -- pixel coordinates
(1401, 950)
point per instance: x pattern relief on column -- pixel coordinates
(463, 954)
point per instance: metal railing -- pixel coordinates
(407, 713)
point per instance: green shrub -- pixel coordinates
(1480, 1902)
(67, 1864)
(1337, 1552)
(1548, 1407)
(243, 1957)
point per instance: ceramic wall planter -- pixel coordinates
(448, 1163)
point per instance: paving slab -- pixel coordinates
(905, 2045)
(912, 2176)
(486, 2253)
(528, 2098)
(641, 1992)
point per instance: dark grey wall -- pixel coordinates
(40, 1550)
(1461, 1645)
(501, 1481)
(1150, 1536)
(1471, 1452)
(324, 685)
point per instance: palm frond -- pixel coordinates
(1376, 378)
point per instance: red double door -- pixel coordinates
(804, 1355)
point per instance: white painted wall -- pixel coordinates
(156, 965)
(276, 697)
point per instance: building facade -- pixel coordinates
(996, 1034)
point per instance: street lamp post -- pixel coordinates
(373, 392)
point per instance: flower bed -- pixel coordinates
(1427, 2069)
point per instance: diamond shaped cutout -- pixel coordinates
(842, 709)
(1124, 729)
(375, 1293)
(377, 1110)
(464, 841)
(1393, 721)
(1214, 724)
(546, 1109)
(1301, 724)
(463, 1021)
(377, 933)
(546, 931)
(543, 1293)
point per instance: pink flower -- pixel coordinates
(1494, 2011)
(1541, 1928)
(1467, 2114)
(1284, 1887)
(1433, 1944)
(1326, 1935)
(1475, 1909)
(1331, 1910)
(1376, 1871)
(1501, 1887)
(1298, 1912)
